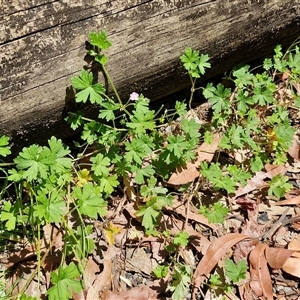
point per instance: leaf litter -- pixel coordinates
(259, 230)
(125, 269)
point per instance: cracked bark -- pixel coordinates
(42, 44)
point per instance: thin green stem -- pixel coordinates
(38, 255)
(159, 110)
(6, 164)
(115, 90)
(106, 125)
(193, 81)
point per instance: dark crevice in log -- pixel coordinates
(43, 46)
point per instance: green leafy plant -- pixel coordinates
(4, 146)
(157, 199)
(278, 186)
(218, 285)
(181, 239)
(196, 65)
(236, 271)
(161, 271)
(222, 282)
(215, 213)
(130, 147)
(181, 279)
(64, 282)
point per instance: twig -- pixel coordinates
(277, 225)
(188, 206)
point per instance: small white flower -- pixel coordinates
(134, 96)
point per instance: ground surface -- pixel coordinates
(257, 227)
(121, 267)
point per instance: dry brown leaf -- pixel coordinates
(249, 227)
(294, 148)
(198, 241)
(243, 248)
(214, 253)
(159, 253)
(296, 254)
(207, 151)
(180, 209)
(190, 172)
(20, 276)
(294, 244)
(102, 284)
(52, 238)
(188, 257)
(137, 293)
(91, 291)
(292, 266)
(131, 209)
(78, 296)
(184, 175)
(271, 209)
(137, 260)
(90, 271)
(257, 181)
(276, 257)
(273, 170)
(291, 201)
(247, 204)
(294, 167)
(260, 282)
(26, 253)
(129, 188)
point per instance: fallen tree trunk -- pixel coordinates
(42, 43)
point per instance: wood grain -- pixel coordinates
(42, 44)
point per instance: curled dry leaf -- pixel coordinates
(294, 244)
(214, 253)
(292, 201)
(190, 172)
(260, 281)
(273, 170)
(276, 257)
(90, 271)
(258, 180)
(292, 265)
(102, 284)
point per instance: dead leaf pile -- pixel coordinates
(263, 232)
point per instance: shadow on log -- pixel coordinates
(42, 45)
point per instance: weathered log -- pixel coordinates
(42, 44)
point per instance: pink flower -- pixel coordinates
(134, 96)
